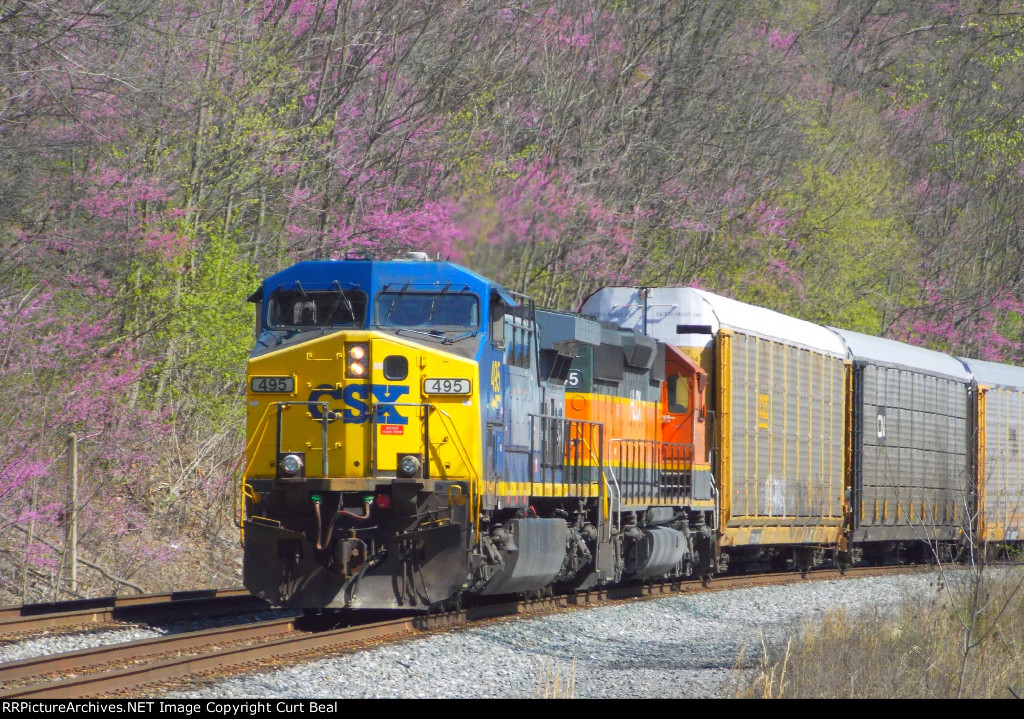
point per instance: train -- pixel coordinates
(419, 436)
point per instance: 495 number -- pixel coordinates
(441, 385)
(283, 385)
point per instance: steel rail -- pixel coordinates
(82, 660)
(127, 679)
(78, 612)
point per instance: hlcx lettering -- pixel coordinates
(356, 401)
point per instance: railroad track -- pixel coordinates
(20, 621)
(124, 669)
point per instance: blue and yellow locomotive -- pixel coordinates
(417, 433)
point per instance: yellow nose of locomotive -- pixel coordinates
(349, 409)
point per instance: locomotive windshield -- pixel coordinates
(432, 310)
(306, 309)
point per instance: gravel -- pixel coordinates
(683, 646)
(60, 643)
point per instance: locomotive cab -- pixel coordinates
(684, 407)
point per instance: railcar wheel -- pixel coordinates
(803, 560)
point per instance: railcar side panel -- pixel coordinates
(782, 429)
(911, 473)
(911, 445)
(1001, 470)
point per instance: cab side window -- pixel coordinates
(678, 394)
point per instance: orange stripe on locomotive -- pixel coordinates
(665, 404)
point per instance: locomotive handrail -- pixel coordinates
(459, 447)
(325, 420)
(239, 497)
(474, 496)
(662, 458)
(241, 494)
(597, 458)
(618, 490)
(373, 431)
(618, 497)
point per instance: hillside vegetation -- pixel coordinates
(857, 163)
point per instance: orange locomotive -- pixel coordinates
(648, 398)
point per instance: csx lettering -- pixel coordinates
(317, 395)
(384, 393)
(356, 401)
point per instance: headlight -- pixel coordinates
(409, 465)
(291, 464)
(356, 360)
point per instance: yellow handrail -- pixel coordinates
(604, 479)
(474, 495)
(243, 486)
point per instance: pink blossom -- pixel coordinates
(781, 42)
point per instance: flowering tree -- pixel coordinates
(849, 163)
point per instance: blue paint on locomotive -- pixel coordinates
(372, 277)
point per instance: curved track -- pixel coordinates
(124, 669)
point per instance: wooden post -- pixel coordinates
(72, 541)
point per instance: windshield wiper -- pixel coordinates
(456, 338)
(437, 298)
(342, 297)
(394, 302)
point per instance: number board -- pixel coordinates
(441, 385)
(282, 385)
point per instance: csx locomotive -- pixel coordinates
(417, 434)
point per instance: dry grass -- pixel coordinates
(556, 682)
(968, 643)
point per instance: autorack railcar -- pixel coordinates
(910, 448)
(998, 418)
